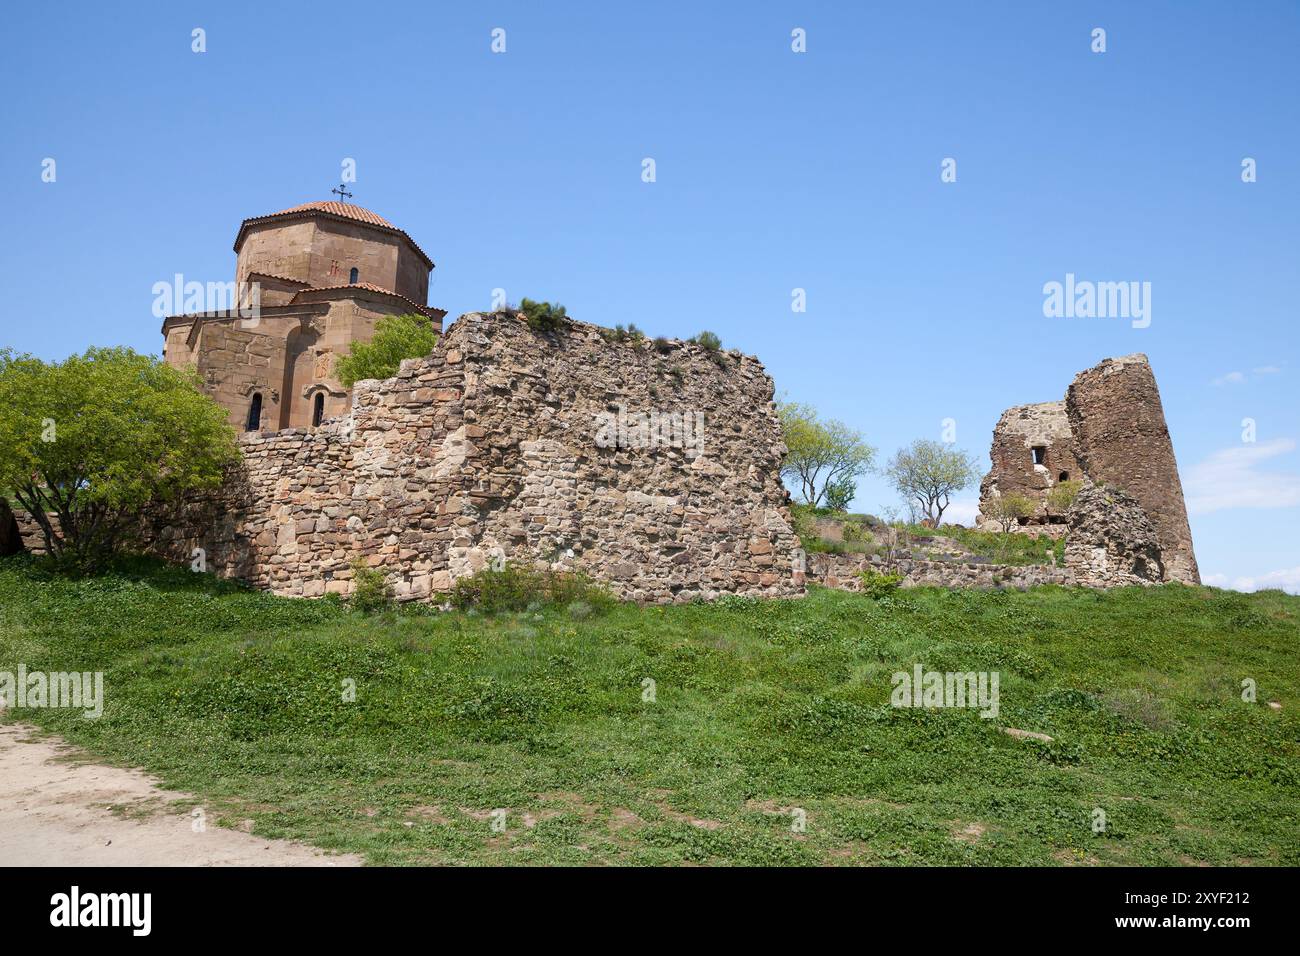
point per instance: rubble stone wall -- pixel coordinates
(1122, 439)
(507, 443)
(1109, 429)
(1112, 542)
(841, 571)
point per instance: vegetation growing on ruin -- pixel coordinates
(542, 316)
(396, 337)
(1063, 494)
(867, 534)
(692, 734)
(707, 341)
(619, 333)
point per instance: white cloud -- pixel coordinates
(1239, 378)
(962, 511)
(1231, 479)
(1287, 579)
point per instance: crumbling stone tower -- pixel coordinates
(1121, 439)
(1111, 430)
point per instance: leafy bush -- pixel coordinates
(1063, 494)
(1006, 510)
(708, 341)
(1140, 706)
(879, 584)
(98, 438)
(370, 591)
(542, 316)
(853, 531)
(518, 588)
(396, 337)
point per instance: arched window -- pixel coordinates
(254, 413)
(353, 276)
(318, 409)
(1064, 476)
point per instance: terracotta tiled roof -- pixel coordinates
(344, 209)
(338, 210)
(272, 275)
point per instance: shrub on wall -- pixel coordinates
(542, 316)
(619, 333)
(396, 337)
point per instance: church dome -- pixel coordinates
(330, 210)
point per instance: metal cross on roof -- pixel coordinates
(342, 191)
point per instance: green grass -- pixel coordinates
(1013, 549)
(236, 696)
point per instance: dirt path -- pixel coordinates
(56, 813)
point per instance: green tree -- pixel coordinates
(840, 493)
(96, 438)
(396, 337)
(820, 454)
(1006, 510)
(928, 473)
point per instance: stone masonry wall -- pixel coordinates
(1018, 432)
(1111, 430)
(841, 571)
(1121, 439)
(1112, 542)
(489, 448)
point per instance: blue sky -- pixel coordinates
(774, 171)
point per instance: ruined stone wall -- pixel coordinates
(492, 447)
(841, 571)
(1112, 542)
(1018, 433)
(1122, 439)
(1109, 429)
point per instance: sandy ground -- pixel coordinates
(57, 813)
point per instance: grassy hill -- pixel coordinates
(760, 708)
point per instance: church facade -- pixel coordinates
(321, 275)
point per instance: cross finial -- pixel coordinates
(342, 191)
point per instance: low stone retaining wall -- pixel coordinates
(841, 571)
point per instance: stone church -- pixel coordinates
(325, 273)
